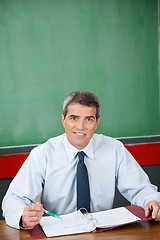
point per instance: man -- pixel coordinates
(51, 170)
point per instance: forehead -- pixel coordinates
(81, 110)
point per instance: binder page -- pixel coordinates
(114, 217)
(71, 223)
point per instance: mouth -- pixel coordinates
(79, 134)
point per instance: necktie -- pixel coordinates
(83, 192)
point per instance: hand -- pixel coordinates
(32, 215)
(153, 208)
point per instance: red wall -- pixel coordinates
(145, 154)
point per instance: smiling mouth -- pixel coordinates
(79, 134)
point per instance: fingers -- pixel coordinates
(156, 212)
(147, 211)
(32, 215)
(153, 209)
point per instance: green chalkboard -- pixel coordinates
(53, 47)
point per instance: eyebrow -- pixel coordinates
(90, 117)
(73, 115)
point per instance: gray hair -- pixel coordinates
(83, 98)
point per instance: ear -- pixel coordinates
(63, 120)
(98, 122)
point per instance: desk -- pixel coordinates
(136, 231)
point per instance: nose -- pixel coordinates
(81, 125)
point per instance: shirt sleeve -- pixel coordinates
(132, 181)
(25, 187)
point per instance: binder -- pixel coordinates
(37, 231)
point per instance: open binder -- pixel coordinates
(77, 222)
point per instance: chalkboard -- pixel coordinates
(53, 47)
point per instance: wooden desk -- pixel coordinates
(137, 231)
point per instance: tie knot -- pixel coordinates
(81, 155)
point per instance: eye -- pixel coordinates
(90, 119)
(74, 118)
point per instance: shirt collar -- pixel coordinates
(72, 151)
(88, 150)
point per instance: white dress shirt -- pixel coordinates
(50, 170)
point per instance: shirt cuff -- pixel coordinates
(21, 225)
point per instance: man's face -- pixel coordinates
(80, 124)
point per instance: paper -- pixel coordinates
(77, 222)
(114, 217)
(71, 223)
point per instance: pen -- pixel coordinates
(49, 213)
